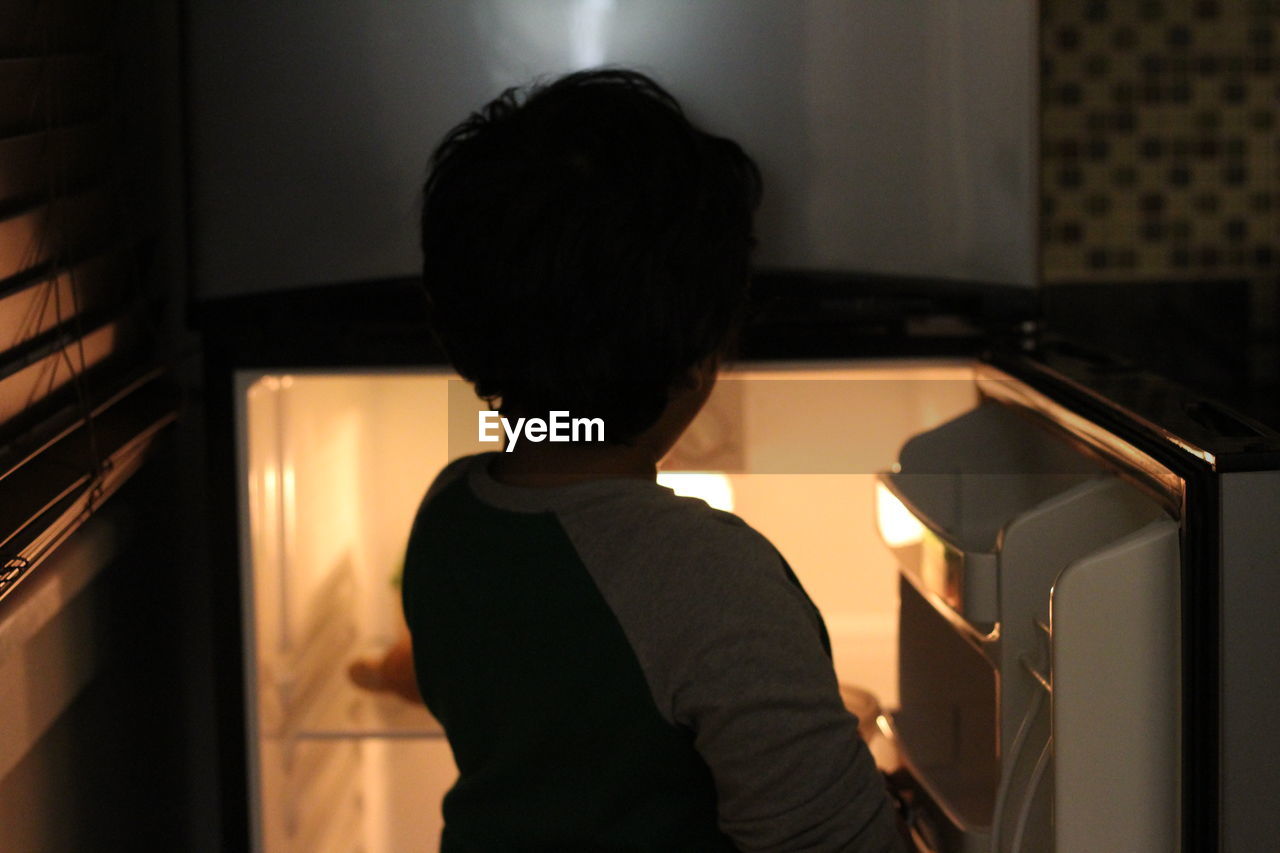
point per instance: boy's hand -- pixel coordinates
(392, 673)
(863, 705)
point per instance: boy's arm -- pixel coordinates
(760, 695)
(733, 651)
(390, 673)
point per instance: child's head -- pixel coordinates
(585, 247)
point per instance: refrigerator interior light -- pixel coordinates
(710, 486)
(898, 526)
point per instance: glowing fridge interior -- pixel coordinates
(992, 567)
(333, 467)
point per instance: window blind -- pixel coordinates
(82, 390)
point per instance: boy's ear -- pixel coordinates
(687, 381)
(699, 375)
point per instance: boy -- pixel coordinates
(615, 667)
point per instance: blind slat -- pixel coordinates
(45, 498)
(40, 94)
(37, 165)
(71, 333)
(92, 286)
(71, 227)
(29, 432)
(29, 385)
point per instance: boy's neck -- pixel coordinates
(559, 464)
(545, 464)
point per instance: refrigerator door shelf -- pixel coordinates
(939, 820)
(961, 583)
(963, 484)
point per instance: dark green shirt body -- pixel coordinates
(619, 668)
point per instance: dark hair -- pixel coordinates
(584, 246)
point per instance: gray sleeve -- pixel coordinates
(732, 651)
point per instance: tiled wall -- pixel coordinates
(1160, 139)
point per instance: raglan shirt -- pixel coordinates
(619, 668)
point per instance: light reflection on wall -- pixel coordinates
(543, 39)
(589, 31)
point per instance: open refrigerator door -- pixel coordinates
(1040, 639)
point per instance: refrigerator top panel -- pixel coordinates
(382, 324)
(793, 317)
(894, 138)
(1099, 396)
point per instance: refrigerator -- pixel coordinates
(1054, 572)
(1049, 568)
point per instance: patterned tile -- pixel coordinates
(1160, 139)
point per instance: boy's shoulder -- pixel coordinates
(663, 513)
(621, 516)
(670, 534)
